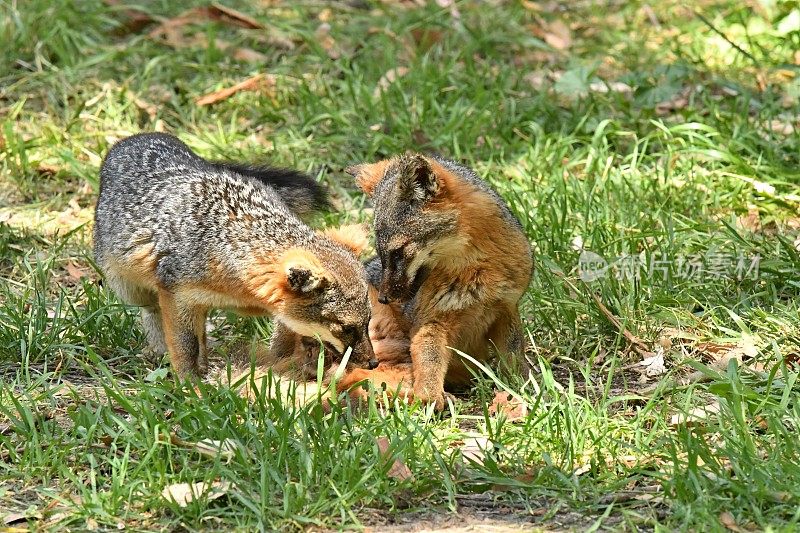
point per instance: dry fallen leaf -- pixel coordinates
(781, 127)
(208, 447)
(727, 520)
(505, 403)
(752, 221)
(475, 448)
(558, 35)
(75, 272)
(676, 103)
(451, 5)
(185, 493)
(425, 38)
(15, 518)
(231, 16)
(135, 20)
(327, 42)
(389, 78)
(249, 55)
(611, 86)
(537, 80)
(696, 416)
(531, 6)
(171, 30)
(654, 365)
(250, 84)
(398, 470)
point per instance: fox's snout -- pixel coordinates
(365, 353)
(394, 286)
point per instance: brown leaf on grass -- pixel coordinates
(558, 35)
(781, 127)
(250, 84)
(233, 17)
(171, 30)
(388, 79)
(398, 470)
(135, 19)
(75, 272)
(281, 42)
(729, 522)
(751, 221)
(16, 518)
(47, 170)
(185, 493)
(425, 38)
(745, 348)
(225, 449)
(676, 103)
(327, 42)
(249, 55)
(511, 407)
(451, 6)
(145, 106)
(531, 6)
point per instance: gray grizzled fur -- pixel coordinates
(156, 192)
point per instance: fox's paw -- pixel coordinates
(439, 400)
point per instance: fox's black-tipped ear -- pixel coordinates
(418, 179)
(368, 175)
(303, 272)
(303, 280)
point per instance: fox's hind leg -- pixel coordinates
(507, 334)
(184, 328)
(147, 300)
(153, 326)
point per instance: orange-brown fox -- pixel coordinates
(178, 235)
(453, 259)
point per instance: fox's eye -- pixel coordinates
(350, 332)
(395, 257)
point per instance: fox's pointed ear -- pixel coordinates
(368, 175)
(304, 274)
(418, 179)
(351, 236)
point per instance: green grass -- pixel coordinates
(694, 161)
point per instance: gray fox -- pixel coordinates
(178, 235)
(454, 262)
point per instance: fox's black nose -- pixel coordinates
(373, 364)
(382, 298)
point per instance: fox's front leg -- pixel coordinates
(185, 333)
(430, 358)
